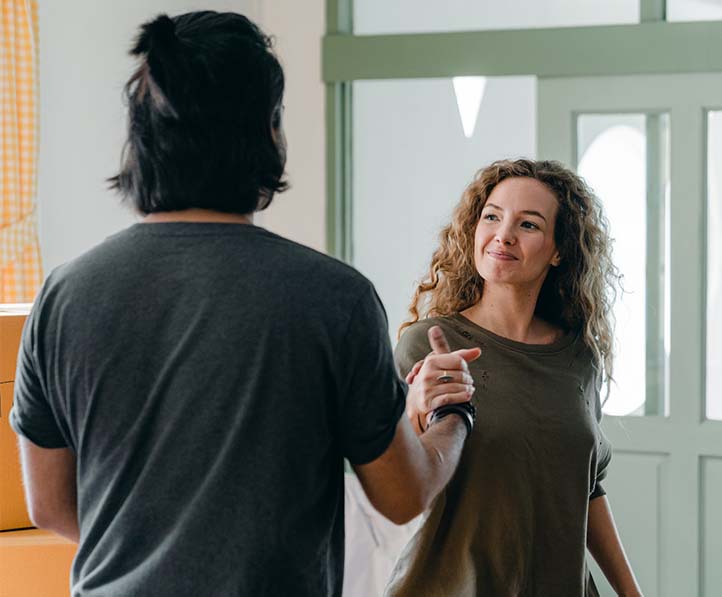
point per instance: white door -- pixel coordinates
(650, 147)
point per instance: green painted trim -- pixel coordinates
(347, 195)
(651, 11)
(339, 16)
(647, 48)
(686, 268)
(705, 263)
(339, 19)
(338, 171)
(333, 168)
(657, 170)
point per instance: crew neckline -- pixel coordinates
(193, 228)
(557, 346)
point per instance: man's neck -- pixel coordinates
(197, 215)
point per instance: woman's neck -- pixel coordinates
(197, 215)
(508, 311)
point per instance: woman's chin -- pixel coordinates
(498, 276)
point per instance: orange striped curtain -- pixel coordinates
(20, 267)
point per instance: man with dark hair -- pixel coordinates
(187, 390)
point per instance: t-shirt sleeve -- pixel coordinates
(31, 415)
(373, 397)
(604, 451)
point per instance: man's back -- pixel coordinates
(210, 378)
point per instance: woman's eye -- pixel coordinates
(530, 225)
(490, 217)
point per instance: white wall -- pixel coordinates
(298, 28)
(84, 63)
(411, 164)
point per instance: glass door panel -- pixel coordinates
(625, 159)
(694, 10)
(373, 17)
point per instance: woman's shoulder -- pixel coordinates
(420, 328)
(414, 338)
(414, 344)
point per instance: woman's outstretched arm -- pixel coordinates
(605, 545)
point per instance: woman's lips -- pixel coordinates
(501, 256)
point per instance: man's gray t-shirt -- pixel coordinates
(210, 379)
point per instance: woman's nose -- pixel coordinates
(505, 235)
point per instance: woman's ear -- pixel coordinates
(556, 259)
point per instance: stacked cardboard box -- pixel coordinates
(33, 563)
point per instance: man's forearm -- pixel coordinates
(66, 527)
(405, 479)
(443, 443)
(50, 490)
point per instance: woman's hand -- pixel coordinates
(441, 378)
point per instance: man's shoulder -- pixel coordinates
(286, 254)
(315, 271)
(316, 258)
(99, 259)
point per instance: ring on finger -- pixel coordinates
(445, 377)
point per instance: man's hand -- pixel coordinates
(407, 477)
(441, 378)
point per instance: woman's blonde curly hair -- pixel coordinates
(577, 295)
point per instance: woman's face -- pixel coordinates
(514, 239)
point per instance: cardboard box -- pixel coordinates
(35, 564)
(13, 514)
(12, 319)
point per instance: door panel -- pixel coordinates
(710, 524)
(638, 514)
(666, 475)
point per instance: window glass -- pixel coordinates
(413, 16)
(694, 10)
(616, 152)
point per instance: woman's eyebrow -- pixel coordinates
(530, 212)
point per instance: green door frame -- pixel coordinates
(555, 52)
(339, 22)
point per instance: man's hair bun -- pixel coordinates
(159, 32)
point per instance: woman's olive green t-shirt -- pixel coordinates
(513, 519)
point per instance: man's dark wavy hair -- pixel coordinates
(202, 109)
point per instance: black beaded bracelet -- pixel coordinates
(465, 410)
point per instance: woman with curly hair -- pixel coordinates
(524, 271)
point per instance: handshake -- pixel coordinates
(440, 384)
